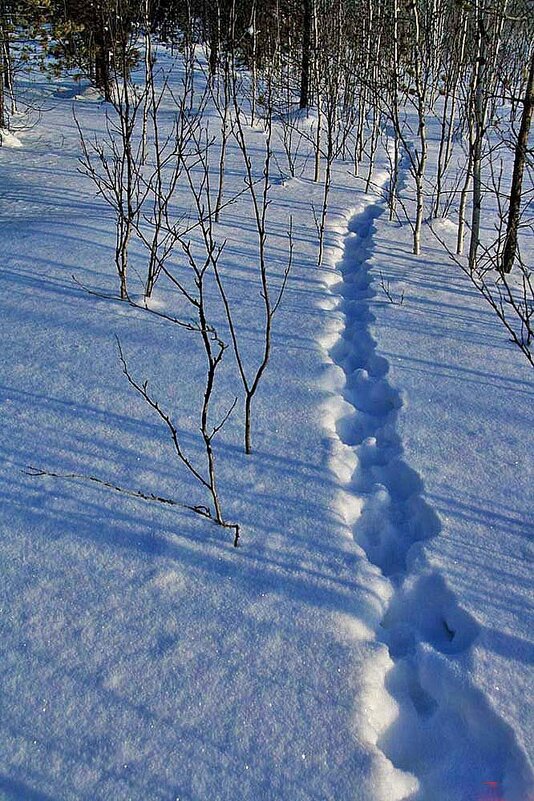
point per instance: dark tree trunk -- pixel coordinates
(8, 73)
(306, 55)
(102, 47)
(514, 212)
(214, 26)
(3, 120)
(3, 68)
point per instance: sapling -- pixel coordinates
(259, 195)
(113, 163)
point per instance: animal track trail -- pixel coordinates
(441, 717)
(393, 517)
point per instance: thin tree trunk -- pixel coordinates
(394, 183)
(514, 212)
(3, 69)
(449, 115)
(317, 80)
(210, 382)
(254, 64)
(3, 116)
(224, 141)
(148, 80)
(421, 90)
(375, 130)
(479, 125)
(460, 237)
(248, 418)
(214, 34)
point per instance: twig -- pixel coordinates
(37, 472)
(385, 286)
(203, 511)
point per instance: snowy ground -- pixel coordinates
(370, 641)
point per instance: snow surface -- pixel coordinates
(371, 639)
(9, 139)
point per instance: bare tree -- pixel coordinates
(479, 125)
(206, 478)
(419, 156)
(158, 229)
(113, 163)
(196, 168)
(452, 70)
(510, 297)
(221, 98)
(259, 196)
(214, 349)
(330, 76)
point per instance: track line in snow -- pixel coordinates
(442, 730)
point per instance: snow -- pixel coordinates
(89, 95)
(370, 640)
(9, 139)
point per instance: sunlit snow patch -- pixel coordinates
(8, 139)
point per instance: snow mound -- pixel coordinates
(8, 139)
(90, 95)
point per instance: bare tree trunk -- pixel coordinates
(130, 175)
(259, 196)
(254, 63)
(460, 237)
(373, 146)
(326, 192)
(306, 55)
(447, 121)
(214, 36)
(394, 182)
(3, 67)
(225, 132)
(213, 361)
(514, 212)
(449, 114)
(122, 257)
(485, 83)
(421, 131)
(6, 66)
(317, 81)
(3, 115)
(102, 48)
(479, 126)
(149, 79)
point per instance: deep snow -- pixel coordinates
(371, 638)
